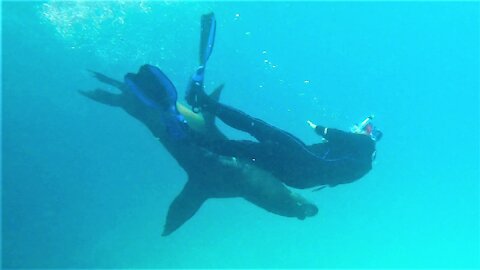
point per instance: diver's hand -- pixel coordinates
(311, 124)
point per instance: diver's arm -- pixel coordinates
(331, 134)
(320, 130)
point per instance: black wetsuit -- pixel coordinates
(344, 158)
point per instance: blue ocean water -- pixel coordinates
(85, 185)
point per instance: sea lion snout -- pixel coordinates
(310, 210)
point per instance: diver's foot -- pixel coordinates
(196, 96)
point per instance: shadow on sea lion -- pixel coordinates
(209, 175)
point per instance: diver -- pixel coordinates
(341, 158)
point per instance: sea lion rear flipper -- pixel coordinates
(107, 80)
(184, 206)
(103, 97)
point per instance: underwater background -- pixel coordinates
(87, 186)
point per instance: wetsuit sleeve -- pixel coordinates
(333, 134)
(320, 130)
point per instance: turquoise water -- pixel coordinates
(85, 185)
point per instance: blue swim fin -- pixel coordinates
(155, 90)
(152, 87)
(207, 38)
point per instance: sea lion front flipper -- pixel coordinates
(184, 206)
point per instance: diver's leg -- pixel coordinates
(258, 128)
(237, 119)
(262, 131)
